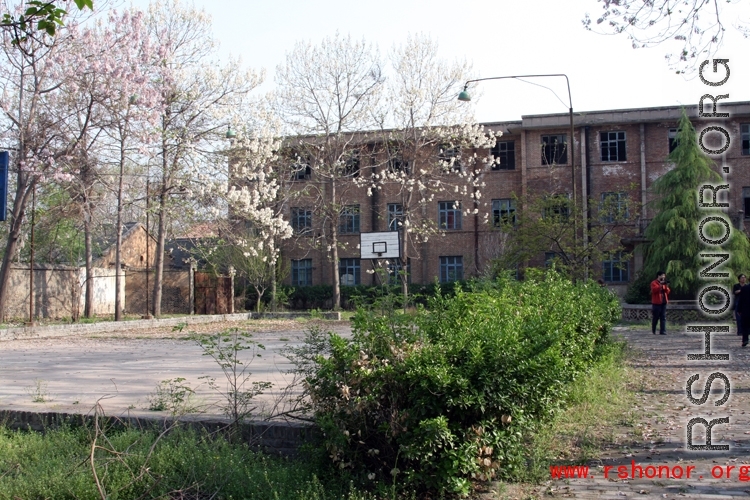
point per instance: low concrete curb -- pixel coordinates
(112, 326)
(280, 438)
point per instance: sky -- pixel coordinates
(499, 38)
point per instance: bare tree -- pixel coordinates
(428, 141)
(698, 25)
(326, 95)
(199, 98)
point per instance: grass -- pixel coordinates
(598, 404)
(183, 464)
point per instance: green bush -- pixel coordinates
(448, 395)
(320, 296)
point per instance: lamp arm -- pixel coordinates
(567, 82)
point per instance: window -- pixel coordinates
(745, 137)
(394, 271)
(449, 215)
(351, 166)
(349, 219)
(503, 212)
(615, 269)
(554, 149)
(613, 146)
(301, 169)
(302, 272)
(349, 272)
(672, 139)
(557, 207)
(746, 201)
(451, 269)
(504, 153)
(450, 157)
(614, 207)
(395, 216)
(396, 163)
(301, 220)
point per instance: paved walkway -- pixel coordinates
(663, 411)
(122, 369)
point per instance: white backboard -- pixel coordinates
(380, 245)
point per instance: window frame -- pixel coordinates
(354, 265)
(446, 213)
(500, 214)
(557, 205)
(615, 145)
(746, 201)
(394, 268)
(615, 265)
(745, 138)
(395, 217)
(306, 269)
(508, 154)
(450, 156)
(547, 149)
(349, 219)
(301, 214)
(672, 138)
(451, 265)
(621, 203)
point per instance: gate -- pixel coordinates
(213, 294)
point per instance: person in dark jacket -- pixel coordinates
(659, 299)
(743, 308)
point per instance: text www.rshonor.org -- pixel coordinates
(637, 471)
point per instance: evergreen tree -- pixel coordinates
(674, 245)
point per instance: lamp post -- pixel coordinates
(464, 96)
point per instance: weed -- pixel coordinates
(38, 392)
(173, 395)
(226, 349)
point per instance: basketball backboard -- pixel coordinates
(379, 245)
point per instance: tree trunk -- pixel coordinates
(88, 308)
(159, 257)
(335, 250)
(119, 306)
(161, 233)
(23, 189)
(273, 304)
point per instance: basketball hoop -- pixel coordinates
(379, 247)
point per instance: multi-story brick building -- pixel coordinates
(618, 155)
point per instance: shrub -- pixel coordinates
(437, 399)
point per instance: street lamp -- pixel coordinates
(466, 97)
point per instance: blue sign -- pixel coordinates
(3, 185)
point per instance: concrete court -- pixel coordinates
(72, 373)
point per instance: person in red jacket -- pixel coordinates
(659, 299)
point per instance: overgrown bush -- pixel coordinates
(436, 399)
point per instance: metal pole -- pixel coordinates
(571, 142)
(31, 256)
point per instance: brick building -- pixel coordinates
(618, 154)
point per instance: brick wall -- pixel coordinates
(646, 150)
(176, 291)
(58, 292)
